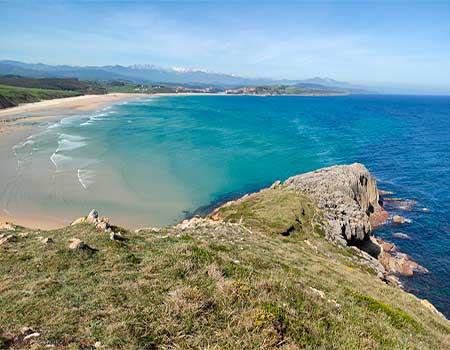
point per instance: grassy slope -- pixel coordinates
(11, 96)
(236, 285)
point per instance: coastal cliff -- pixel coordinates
(348, 196)
(280, 268)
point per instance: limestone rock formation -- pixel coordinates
(102, 224)
(348, 196)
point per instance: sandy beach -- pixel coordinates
(17, 123)
(51, 108)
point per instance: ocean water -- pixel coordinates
(155, 160)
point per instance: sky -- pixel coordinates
(380, 43)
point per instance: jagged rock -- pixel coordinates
(7, 226)
(401, 235)
(347, 194)
(101, 224)
(92, 217)
(400, 263)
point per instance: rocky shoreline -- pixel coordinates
(353, 207)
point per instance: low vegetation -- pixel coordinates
(257, 274)
(11, 96)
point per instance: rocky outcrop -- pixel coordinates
(348, 196)
(349, 199)
(102, 224)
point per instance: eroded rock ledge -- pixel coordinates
(348, 196)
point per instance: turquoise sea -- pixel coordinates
(155, 160)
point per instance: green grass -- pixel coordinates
(238, 284)
(12, 96)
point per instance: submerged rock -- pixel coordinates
(397, 219)
(401, 235)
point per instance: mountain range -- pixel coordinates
(151, 74)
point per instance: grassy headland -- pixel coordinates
(11, 96)
(257, 274)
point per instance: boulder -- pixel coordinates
(92, 218)
(77, 244)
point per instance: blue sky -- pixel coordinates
(371, 42)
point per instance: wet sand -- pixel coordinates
(18, 123)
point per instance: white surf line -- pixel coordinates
(80, 180)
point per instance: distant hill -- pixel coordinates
(151, 74)
(66, 84)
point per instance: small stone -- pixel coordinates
(237, 262)
(401, 235)
(26, 330)
(317, 292)
(76, 243)
(102, 226)
(32, 335)
(97, 344)
(47, 240)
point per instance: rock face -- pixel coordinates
(348, 196)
